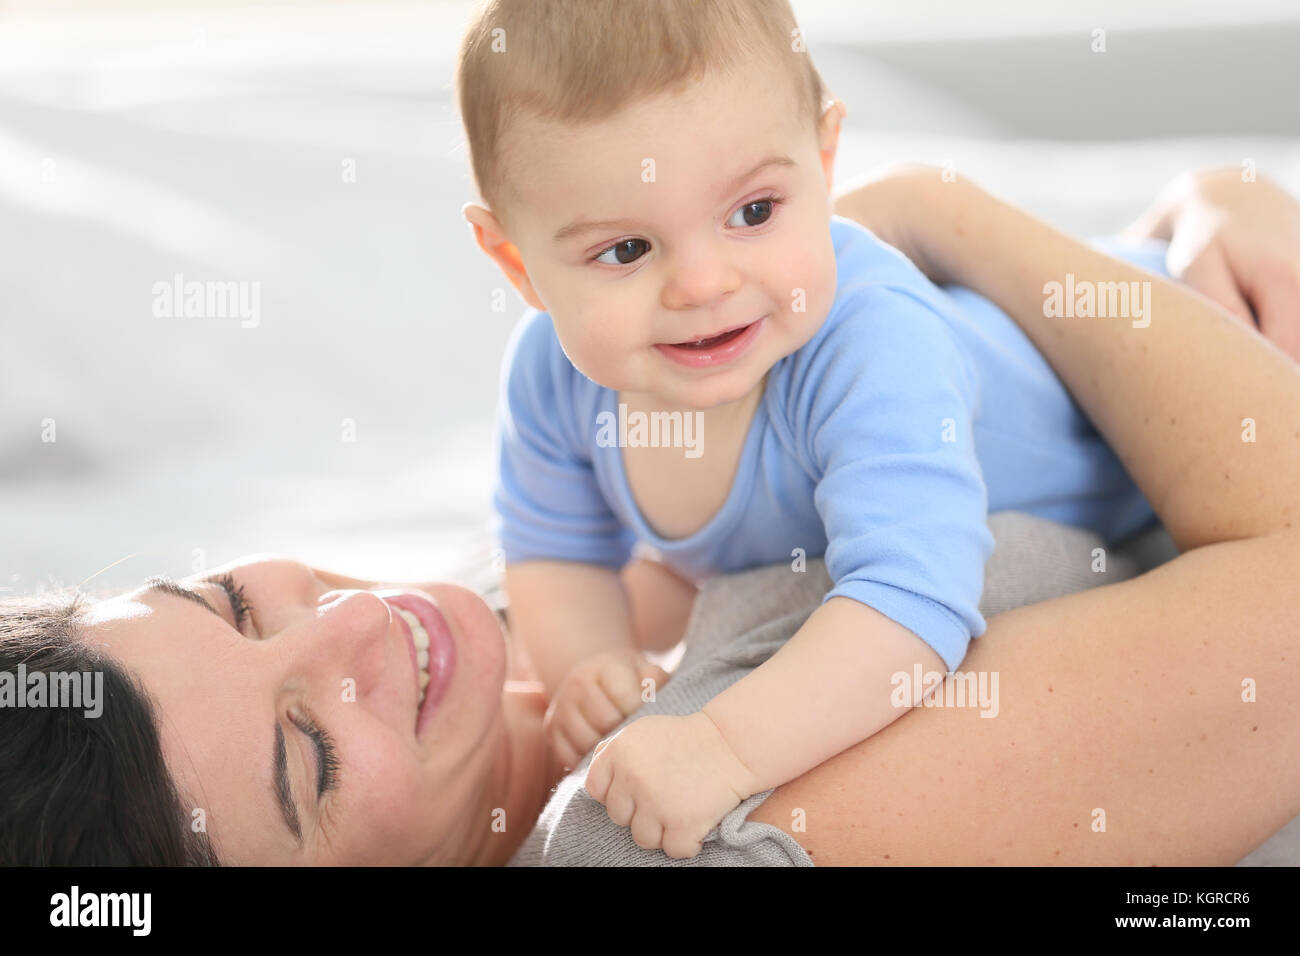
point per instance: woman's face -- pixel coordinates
(315, 688)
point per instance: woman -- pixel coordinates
(288, 725)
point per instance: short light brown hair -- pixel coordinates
(576, 61)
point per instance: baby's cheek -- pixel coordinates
(808, 275)
(600, 340)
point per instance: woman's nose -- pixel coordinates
(352, 636)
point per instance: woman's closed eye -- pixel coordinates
(240, 607)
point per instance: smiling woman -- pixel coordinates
(305, 718)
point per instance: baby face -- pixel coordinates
(682, 247)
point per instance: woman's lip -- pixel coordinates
(714, 355)
(442, 650)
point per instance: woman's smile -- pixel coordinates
(432, 646)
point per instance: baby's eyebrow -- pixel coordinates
(580, 226)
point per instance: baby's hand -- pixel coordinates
(670, 779)
(594, 698)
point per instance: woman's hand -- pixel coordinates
(1236, 242)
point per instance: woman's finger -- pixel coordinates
(1277, 302)
(1210, 274)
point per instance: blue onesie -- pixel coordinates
(882, 444)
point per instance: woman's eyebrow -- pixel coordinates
(168, 586)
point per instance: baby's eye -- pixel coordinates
(624, 251)
(753, 213)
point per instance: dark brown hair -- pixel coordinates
(78, 790)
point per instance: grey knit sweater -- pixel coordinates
(741, 620)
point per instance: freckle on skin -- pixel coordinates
(1202, 738)
(1076, 826)
(1255, 728)
(1049, 690)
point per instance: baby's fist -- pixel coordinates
(595, 697)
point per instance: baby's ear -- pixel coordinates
(492, 239)
(832, 118)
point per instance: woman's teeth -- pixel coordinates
(421, 638)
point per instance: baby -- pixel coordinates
(719, 368)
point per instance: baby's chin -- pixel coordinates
(709, 392)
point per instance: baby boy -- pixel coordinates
(656, 184)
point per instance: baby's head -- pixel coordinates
(655, 172)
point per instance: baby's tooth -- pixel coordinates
(424, 681)
(422, 655)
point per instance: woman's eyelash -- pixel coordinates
(239, 604)
(774, 200)
(327, 775)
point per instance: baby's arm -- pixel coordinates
(660, 601)
(565, 612)
(830, 686)
(670, 779)
(574, 621)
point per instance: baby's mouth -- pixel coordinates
(712, 341)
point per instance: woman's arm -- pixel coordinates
(1126, 703)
